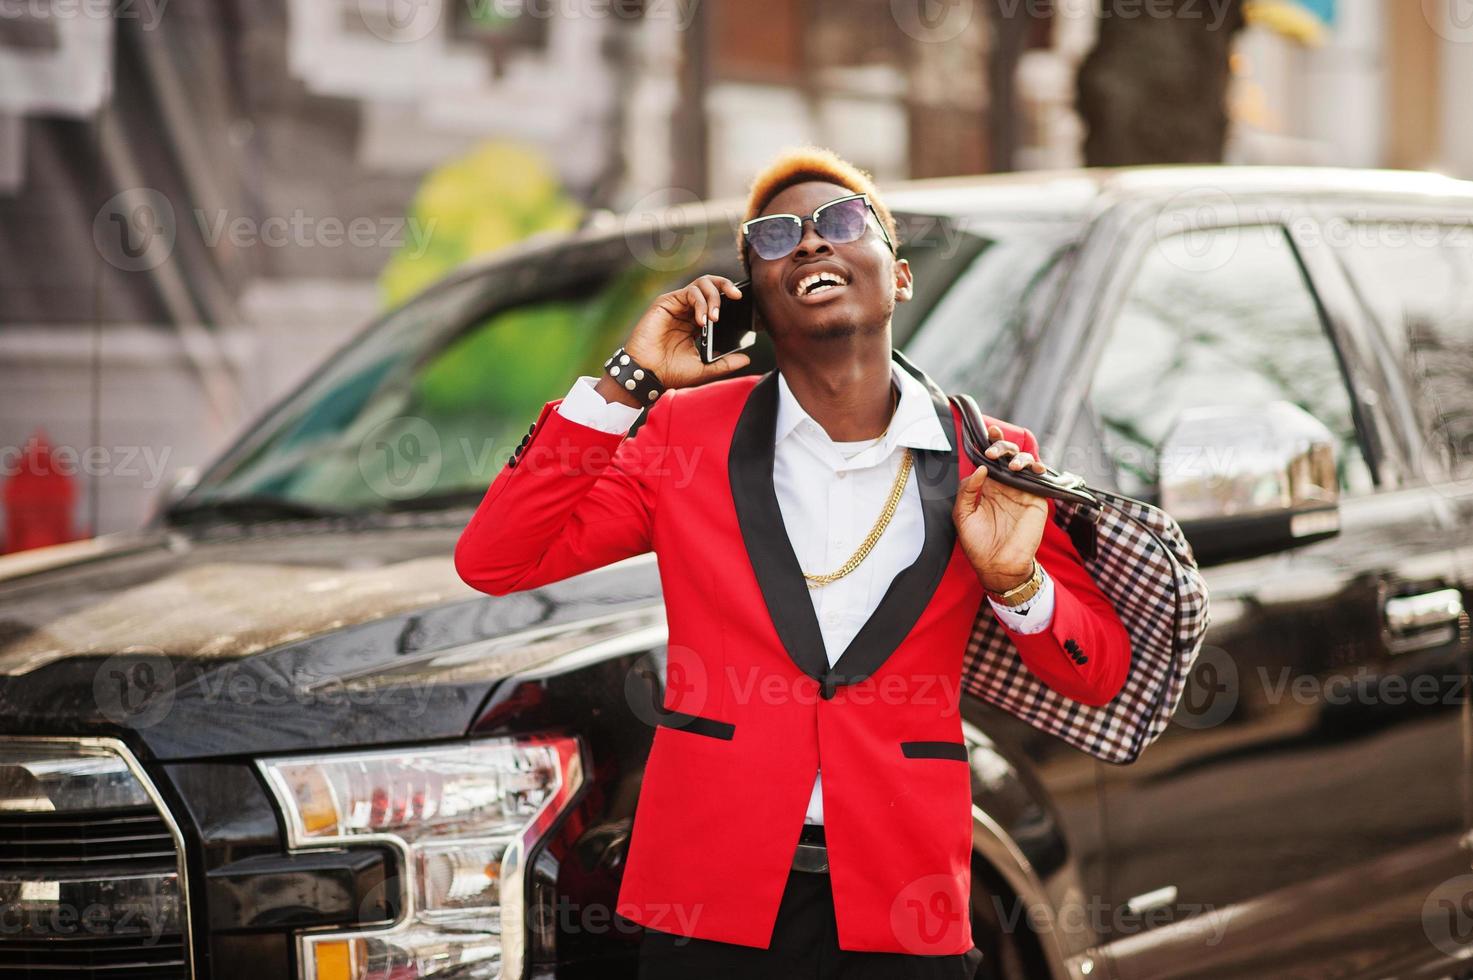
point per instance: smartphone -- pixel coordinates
(733, 330)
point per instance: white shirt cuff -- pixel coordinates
(586, 406)
(1033, 616)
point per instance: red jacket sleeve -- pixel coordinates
(571, 499)
(1085, 652)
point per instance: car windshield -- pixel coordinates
(422, 410)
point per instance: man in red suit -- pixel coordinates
(823, 549)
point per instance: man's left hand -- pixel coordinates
(1000, 528)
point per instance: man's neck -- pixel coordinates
(848, 396)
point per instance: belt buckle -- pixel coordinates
(812, 858)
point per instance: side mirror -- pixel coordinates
(1249, 480)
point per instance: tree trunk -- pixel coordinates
(691, 135)
(1154, 89)
(1010, 23)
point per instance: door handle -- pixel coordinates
(1154, 899)
(1410, 618)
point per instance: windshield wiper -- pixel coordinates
(250, 508)
(450, 500)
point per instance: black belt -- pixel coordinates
(811, 854)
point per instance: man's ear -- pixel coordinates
(904, 286)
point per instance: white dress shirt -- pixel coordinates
(830, 494)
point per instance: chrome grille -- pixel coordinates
(91, 865)
(120, 835)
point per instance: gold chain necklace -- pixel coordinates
(873, 538)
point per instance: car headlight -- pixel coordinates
(462, 817)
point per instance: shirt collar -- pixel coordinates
(915, 423)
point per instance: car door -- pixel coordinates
(1307, 797)
(1409, 274)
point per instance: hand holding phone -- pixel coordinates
(732, 330)
(667, 338)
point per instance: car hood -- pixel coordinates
(272, 639)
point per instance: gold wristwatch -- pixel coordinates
(1020, 594)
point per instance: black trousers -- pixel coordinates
(805, 946)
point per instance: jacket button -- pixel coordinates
(826, 689)
(524, 440)
(511, 461)
(531, 428)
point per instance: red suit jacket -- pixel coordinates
(753, 707)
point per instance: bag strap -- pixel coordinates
(1065, 486)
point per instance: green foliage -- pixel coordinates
(494, 196)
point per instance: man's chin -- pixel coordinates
(837, 324)
(812, 327)
(841, 330)
(840, 320)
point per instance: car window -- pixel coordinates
(441, 391)
(984, 327)
(1416, 282)
(1216, 317)
(423, 409)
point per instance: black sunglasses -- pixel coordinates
(841, 220)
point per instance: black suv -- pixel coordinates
(273, 734)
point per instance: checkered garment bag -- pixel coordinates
(1143, 564)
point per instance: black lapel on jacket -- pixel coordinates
(778, 573)
(911, 590)
(749, 463)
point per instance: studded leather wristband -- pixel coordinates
(634, 377)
